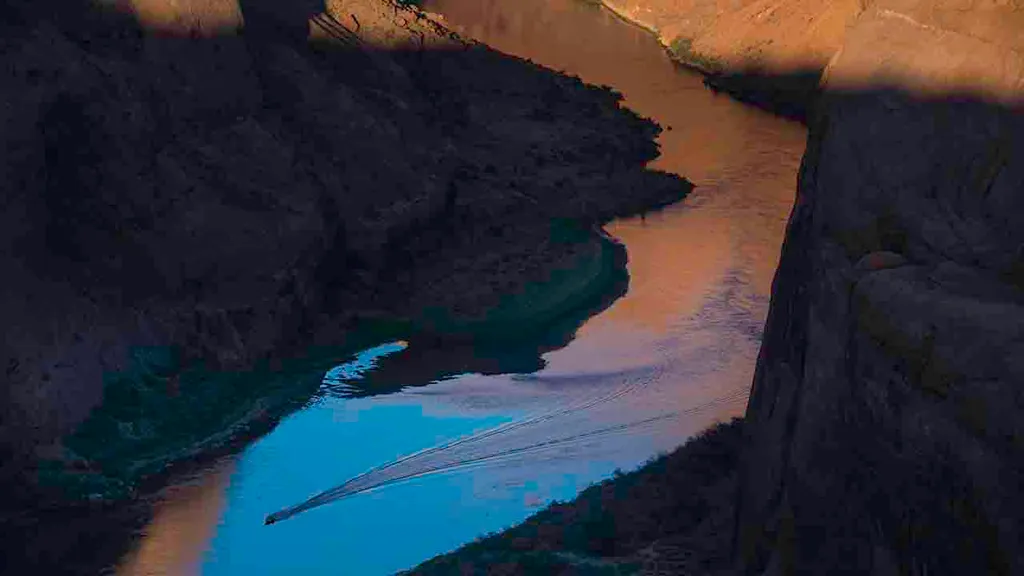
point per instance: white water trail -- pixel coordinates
(492, 446)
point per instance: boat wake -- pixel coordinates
(507, 443)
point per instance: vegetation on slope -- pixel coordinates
(676, 511)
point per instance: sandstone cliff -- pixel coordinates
(738, 34)
(772, 52)
(786, 35)
(884, 427)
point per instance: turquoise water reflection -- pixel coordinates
(374, 533)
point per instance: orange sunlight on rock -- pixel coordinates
(202, 17)
(779, 35)
(980, 52)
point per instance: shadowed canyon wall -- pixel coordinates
(884, 427)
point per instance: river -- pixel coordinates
(668, 359)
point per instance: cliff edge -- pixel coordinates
(884, 430)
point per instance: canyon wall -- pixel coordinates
(886, 422)
(782, 36)
(778, 35)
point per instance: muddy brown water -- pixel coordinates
(671, 357)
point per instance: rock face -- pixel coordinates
(771, 52)
(885, 426)
(235, 197)
(788, 35)
(737, 34)
(935, 47)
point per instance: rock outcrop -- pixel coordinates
(776, 35)
(885, 423)
(772, 53)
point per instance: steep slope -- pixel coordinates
(772, 52)
(884, 427)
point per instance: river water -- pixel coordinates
(671, 357)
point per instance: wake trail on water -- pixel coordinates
(490, 447)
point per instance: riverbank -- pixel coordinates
(637, 521)
(680, 50)
(771, 35)
(790, 91)
(418, 167)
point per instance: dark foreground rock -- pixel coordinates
(885, 418)
(221, 200)
(885, 422)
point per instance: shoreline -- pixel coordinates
(633, 521)
(621, 14)
(791, 94)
